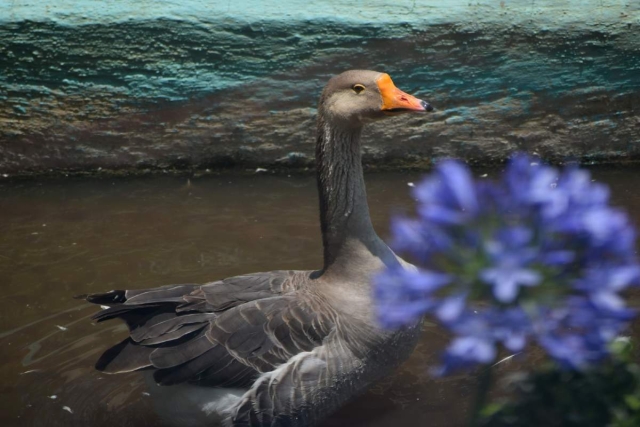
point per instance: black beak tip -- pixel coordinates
(426, 106)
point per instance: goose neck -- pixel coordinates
(344, 212)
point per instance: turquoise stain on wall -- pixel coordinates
(175, 60)
(547, 14)
(489, 67)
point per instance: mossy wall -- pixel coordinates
(87, 84)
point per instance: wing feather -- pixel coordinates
(220, 333)
(169, 357)
(125, 356)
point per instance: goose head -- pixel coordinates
(356, 97)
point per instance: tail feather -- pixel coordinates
(168, 357)
(122, 311)
(165, 294)
(172, 336)
(124, 357)
(156, 327)
(167, 328)
(107, 298)
(228, 372)
(188, 370)
(215, 366)
(153, 323)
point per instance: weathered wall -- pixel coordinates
(134, 84)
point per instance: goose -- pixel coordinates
(279, 348)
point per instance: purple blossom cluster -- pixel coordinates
(538, 256)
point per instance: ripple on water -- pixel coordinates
(64, 238)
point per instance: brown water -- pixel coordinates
(76, 236)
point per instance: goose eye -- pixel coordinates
(358, 88)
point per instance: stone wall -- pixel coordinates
(147, 84)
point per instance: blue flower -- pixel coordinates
(537, 256)
(410, 236)
(478, 335)
(510, 255)
(577, 334)
(511, 327)
(571, 350)
(466, 352)
(602, 284)
(405, 294)
(449, 196)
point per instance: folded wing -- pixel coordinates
(224, 333)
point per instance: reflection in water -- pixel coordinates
(64, 238)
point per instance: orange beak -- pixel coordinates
(396, 101)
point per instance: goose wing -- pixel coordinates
(306, 388)
(224, 333)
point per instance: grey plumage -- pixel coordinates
(298, 343)
(158, 327)
(124, 357)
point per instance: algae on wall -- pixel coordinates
(131, 84)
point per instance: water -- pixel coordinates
(76, 236)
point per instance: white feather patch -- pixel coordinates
(222, 402)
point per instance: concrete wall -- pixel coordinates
(136, 84)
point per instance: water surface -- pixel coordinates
(66, 237)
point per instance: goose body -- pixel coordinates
(280, 348)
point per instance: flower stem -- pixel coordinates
(484, 385)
